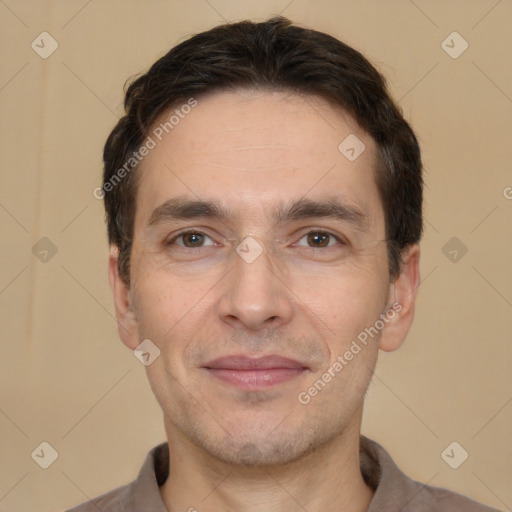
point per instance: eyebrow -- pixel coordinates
(183, 208)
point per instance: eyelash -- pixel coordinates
(172, 241)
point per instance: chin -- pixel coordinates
(258, 450)
(260, 454)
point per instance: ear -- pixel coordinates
(402, 299)
(126, 320)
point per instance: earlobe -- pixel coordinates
(402, 299)
(126, 320)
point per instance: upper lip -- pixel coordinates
(240, 362)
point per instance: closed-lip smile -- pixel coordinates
(258, 373)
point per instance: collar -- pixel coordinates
(394, 491)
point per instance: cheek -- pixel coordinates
(160, 309)
(346, 298)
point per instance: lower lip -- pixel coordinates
(256, 379)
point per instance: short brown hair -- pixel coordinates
(270, 55)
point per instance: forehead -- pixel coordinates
(248, 149)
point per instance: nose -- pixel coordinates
(255, 295)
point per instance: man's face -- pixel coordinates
(303, 287)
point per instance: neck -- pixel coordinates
(325, 479)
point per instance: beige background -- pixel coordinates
(67, 379)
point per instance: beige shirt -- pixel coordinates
(394, 491)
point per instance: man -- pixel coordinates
(264, 206)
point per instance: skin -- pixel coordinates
(233, 449)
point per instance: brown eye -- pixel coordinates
(192, 239)
(319, 240)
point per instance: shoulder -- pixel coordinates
(141, 493)
(395, 491)
(112, 501)
(439, 499)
